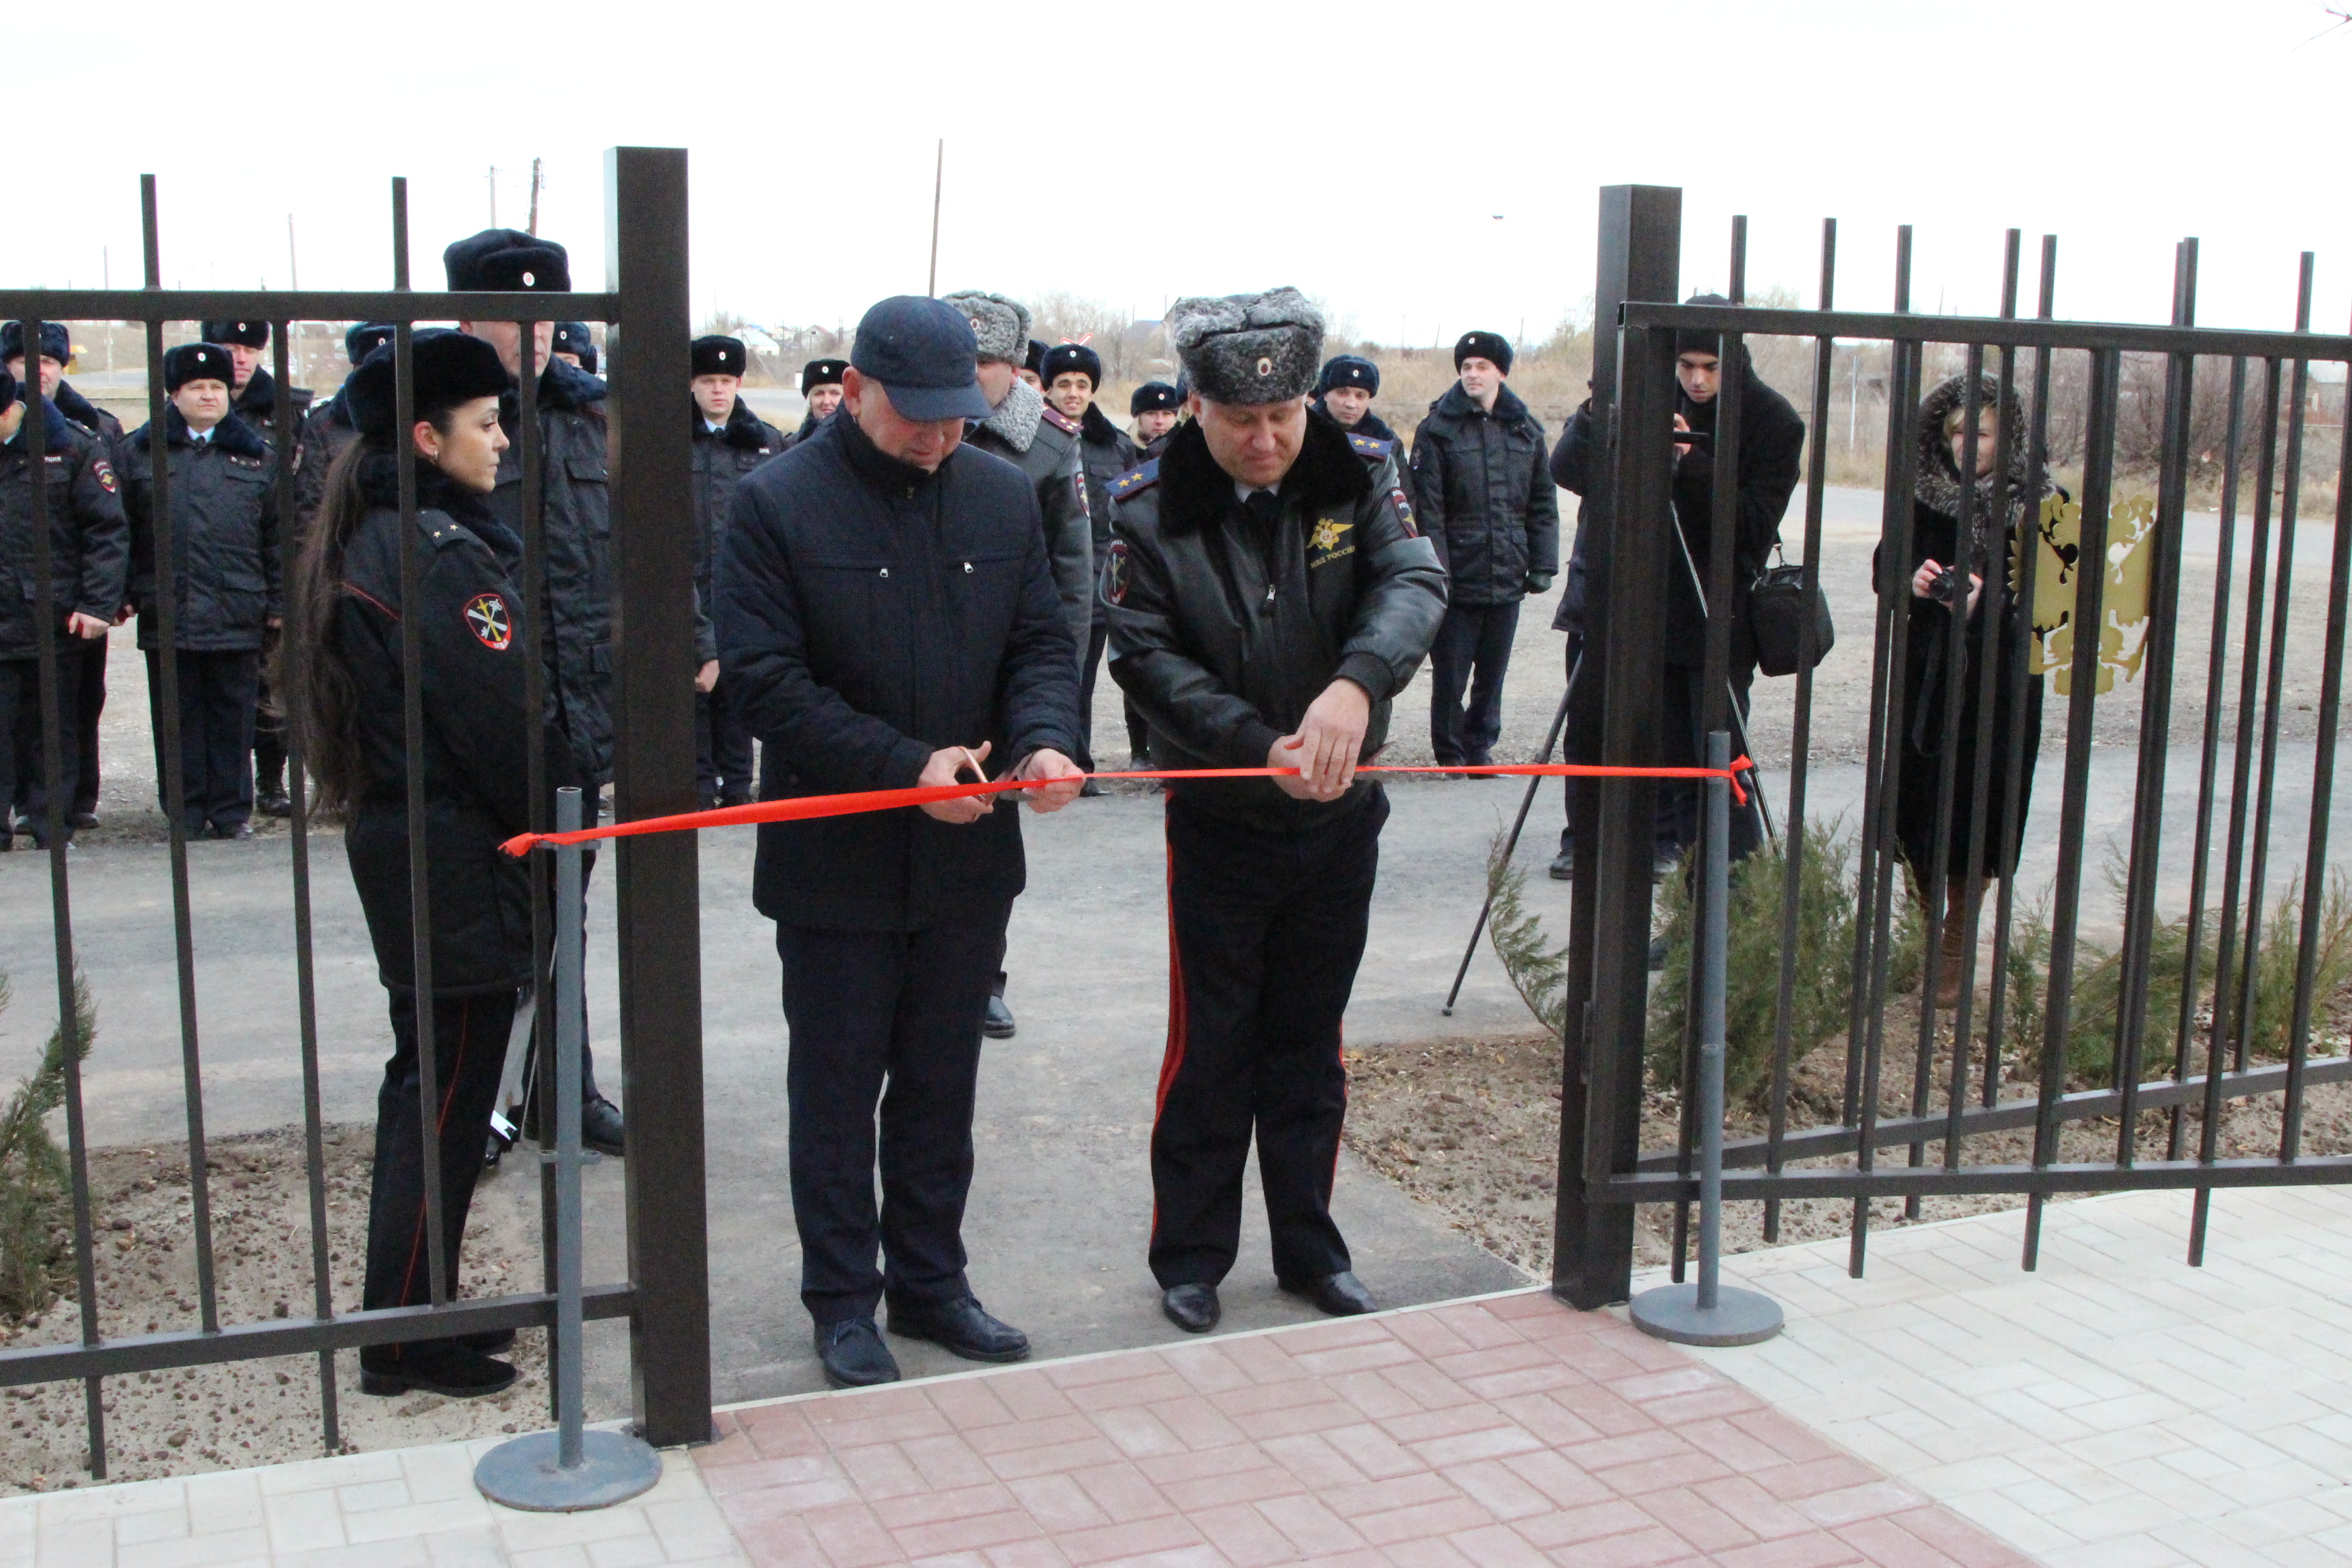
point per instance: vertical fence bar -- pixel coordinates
(1800, 734)
(2090, 582)
(166, 540)
(658, 897)
(2208, 754)
(47, 629)
(290, 681)
(1995, 606)
(1875, 936)
(2156, 715)
(2021, 677)
(1638, 258)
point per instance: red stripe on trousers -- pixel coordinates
(1171, 1061)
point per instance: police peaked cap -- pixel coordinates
(1350, 370)
(822, 372)
(1064, 358)
(244, 335)
(365, 337)
(1249, 349)
(1153, 394)
(197, 362)
(55, 343)
(448, 368)
(718, 355)
(1492, 347)
(508, 261)
(572, 338)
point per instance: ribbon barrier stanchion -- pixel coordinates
(570, 1468)
(1706, 1314)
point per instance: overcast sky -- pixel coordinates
(1425, 169)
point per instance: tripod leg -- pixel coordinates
(1526, 801)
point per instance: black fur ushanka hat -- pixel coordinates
(1064, 358)
(447, 368)
(197, 362)
(718, 355)
(506, 261)
(244, 335)
(55, 342)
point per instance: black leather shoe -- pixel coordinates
(998, 1024)
(278, 804)
(734, 797)
(1341, 1295)
(1563, 867)
(446, 1367)
(1091, 791)
(83, 821)
(854, 1354)
(1192, 1307)
(238, 830)
(960, 1328)
(600, 1128)
(489, 1342)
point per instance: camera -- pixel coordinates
(1946, 586)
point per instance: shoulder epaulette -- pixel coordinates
(1061, 421)
(444, 531)
(1371, 449)
(1135, 480)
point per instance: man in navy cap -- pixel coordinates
(85, 656)
(575, 508)
(1345, 391)
(730, 441)
(888, 618)
(821, 386)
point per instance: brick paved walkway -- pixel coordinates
(1501, 1432)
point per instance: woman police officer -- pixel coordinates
(348, 613)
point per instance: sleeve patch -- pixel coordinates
(103, 472)
(1404, 511)
(487, 618)
(1114, 583)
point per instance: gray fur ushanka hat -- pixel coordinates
(1249, 348)
(1001, 326)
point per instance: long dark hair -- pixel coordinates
(311, 675)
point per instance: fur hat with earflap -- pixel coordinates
(999, 325)
(1249, 348)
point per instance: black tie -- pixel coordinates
(1265, 506)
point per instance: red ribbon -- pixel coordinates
(813, 805)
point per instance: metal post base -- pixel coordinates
(525, 1473)
(1738, 1316)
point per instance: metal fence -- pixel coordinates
(2219, 949)
(665, 1297)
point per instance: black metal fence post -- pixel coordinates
(1609, 932)
(659, 894)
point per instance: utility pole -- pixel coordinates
(494, 196)
(938, 184)
(534, 197)
(293, 273)
(106, 281)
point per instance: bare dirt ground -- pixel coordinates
(258, 1412)
(1472, 1126)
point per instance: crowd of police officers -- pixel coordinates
(917, 586)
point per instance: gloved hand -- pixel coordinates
(1539, 582)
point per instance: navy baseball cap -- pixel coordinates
(923, 354)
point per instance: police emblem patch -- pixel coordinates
(103, 472)
(1404, 513)
(487, 618)
(1115, 573)
(1326, 533)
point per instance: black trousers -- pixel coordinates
(90, 656)
(1472, 650)
(268, 726)
(1097, 640)
(24, 781)
(469, 1050)
(217, 694)
(886, 1020)
(722, 747)
(1264, 932)
(1674, 822)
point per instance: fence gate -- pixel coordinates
(2230, 917)
(665, 1298)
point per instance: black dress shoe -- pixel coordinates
(1091, 791)
(84, 821)
(1341, 1295)
(998, 1024)
(854, 1354)
(1192, 1307)
(1563, 867)
(278, 804)
(960, 1328)
(600, 1128)
(734, 797)
(489, 1342)
(446, 1367)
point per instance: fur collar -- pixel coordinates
(1459, 404)
(231, 435)
(743, 428)
(560, 388)
(1935, 484)
(1017, 418)
(1097, 430)
(260, 398)
(1196, 492)
(77, 408)
(379, 482)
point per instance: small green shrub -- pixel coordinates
(36, 1234)
(1537, 973)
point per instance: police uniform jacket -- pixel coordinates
(227, 571)
(1051, 457)
(92, 418)
(89, 539)
(721, 458)
(1370, 425)
(576, 506)
(325, 434)
(1106, 451)
(1224, 629)
(258, 405)
(1484, 484)
(472, 620)
(870, 614)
